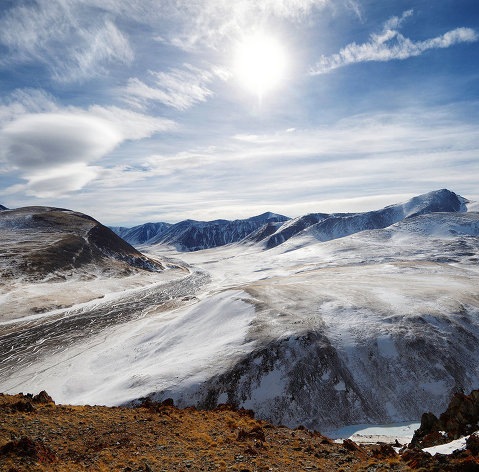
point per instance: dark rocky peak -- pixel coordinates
(460, 419)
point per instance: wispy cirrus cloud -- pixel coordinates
(73, 42)
(389, 45)
(304, 170)
(211, 23)
(177, 88)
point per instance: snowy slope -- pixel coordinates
(325, 227)
(375, 327)
(176, 349)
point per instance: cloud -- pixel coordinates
(355, 7)
(336, 167)
(211, 23)
(130, 124)
(75, 43)
(389, 45)
(23, 101)
(78, 39)
(54, 182)
(177, 88)
(54, 148)
(49, 139)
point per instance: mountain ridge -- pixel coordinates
(193, 235)
(271, 229)
(338, 225)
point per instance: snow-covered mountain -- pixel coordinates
(191, 235)
(141, 234)
(3, 208)
(272, 230)
(325, 227)
(377, 326)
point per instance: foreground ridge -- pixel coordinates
(37, 435)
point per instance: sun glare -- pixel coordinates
(260, 64)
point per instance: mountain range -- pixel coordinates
(272, 229)
(191, 235)
(324, 320)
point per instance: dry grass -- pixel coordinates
(164, 438)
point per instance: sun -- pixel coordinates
(260, 63)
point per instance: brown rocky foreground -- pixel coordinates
(37, 435)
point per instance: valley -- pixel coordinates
(374, 327)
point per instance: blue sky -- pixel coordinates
(141, 110)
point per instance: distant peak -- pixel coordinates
(268, 215)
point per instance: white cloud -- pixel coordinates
(389, 45)
(54, 182)
(78, 39)
(355, 7)
(177, 88)
(342, 166)
(212, 22)
(130, 124)
(23, 101)
(53, 148)
(48, 139)
(72, 42)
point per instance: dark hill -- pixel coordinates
(41, 241)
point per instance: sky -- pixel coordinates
(163, 110)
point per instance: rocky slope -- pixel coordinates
(37, 435)
(39, 242)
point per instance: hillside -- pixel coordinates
(37, 242)
(39, 436)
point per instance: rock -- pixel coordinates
(383, 450)
(43, 397)
(433, 439)
(460, 419)
(168, 402)
(24, 407)
(255, 433)
(26, 447)
(353, 447)
(472, 443)
(416, 458)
